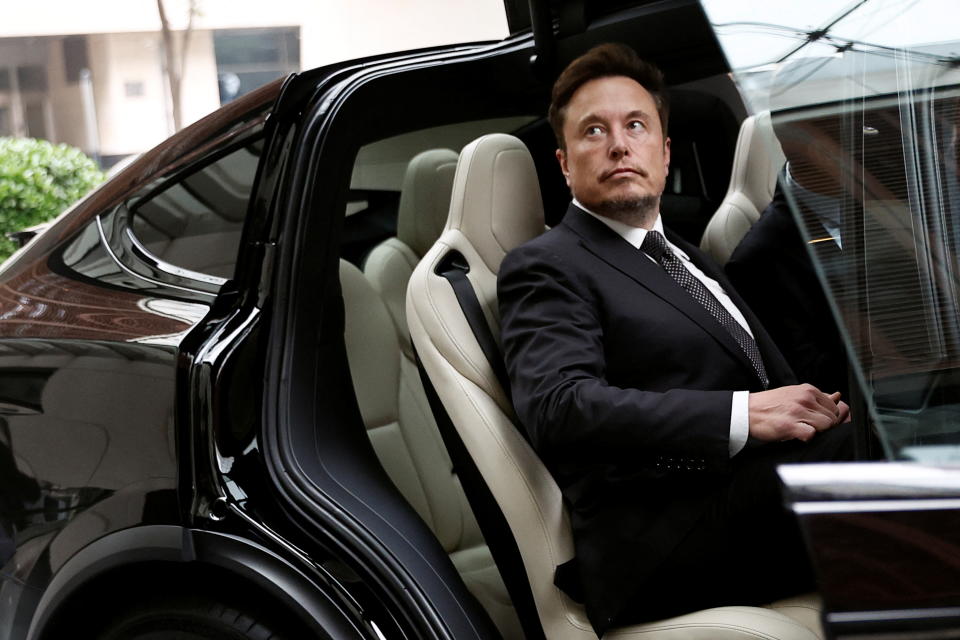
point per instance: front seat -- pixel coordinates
(496, 206)
(756, 163)
(401, 426)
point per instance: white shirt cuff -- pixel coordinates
(739, 421)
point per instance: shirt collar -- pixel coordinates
(633, 235)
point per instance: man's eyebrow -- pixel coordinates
(590, 117)
(596, 117)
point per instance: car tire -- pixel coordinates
(188, 617)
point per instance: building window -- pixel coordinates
(249, 58)
(74, 57)
(32, 78)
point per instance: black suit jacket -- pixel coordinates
(624, 385)
(772, 270)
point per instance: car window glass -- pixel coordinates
(195, 222)
(869, 105)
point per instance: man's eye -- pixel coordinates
(594, 130)
(635, 125)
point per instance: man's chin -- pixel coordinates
(636, 211)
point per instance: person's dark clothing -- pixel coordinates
(772, 270)
(624, 384)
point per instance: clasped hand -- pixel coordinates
(795, 412)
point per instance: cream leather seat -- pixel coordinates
(421, 214)
(756, 162)
(404, 435)
(496, 206)
(400, 424)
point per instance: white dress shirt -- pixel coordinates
(740, 407)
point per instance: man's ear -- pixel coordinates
(666, 153)
(562, 159)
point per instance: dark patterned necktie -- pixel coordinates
(655, 246)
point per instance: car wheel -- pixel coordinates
(188, 617)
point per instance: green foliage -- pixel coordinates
(38, 180)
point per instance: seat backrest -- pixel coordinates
(397, 416)
(421, 214)
(756, 163)
(411, 449)
(495, 207)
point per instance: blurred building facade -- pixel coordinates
(91, 74)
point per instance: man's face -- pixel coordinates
(616, 158)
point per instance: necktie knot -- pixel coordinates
(655, 245)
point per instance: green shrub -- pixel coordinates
(38, 180)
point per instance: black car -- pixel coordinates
(212, 419)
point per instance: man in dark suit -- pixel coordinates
(771, 268)
(640, 375)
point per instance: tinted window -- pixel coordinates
(867, 111)
(194, 223)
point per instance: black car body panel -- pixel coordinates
(883, 538)
(93, 438)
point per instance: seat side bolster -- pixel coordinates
(388, 267)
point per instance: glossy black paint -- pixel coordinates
(93, 441)
(95, 455)
(885, 542)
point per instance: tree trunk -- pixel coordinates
(174, 60)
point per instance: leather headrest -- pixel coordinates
(496, 200)
(757, 160)
(425, 198)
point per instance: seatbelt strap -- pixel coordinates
(493, 524)
(454, 268)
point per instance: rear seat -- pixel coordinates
(421, 214)
(756, 163)
(400, 424)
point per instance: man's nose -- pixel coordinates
(618, 146)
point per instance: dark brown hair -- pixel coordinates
(603, 61)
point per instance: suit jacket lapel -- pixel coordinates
(607, 245)
(778, 370)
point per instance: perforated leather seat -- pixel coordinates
(496, 206)
(756, 163)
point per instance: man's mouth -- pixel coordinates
(619, 171)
